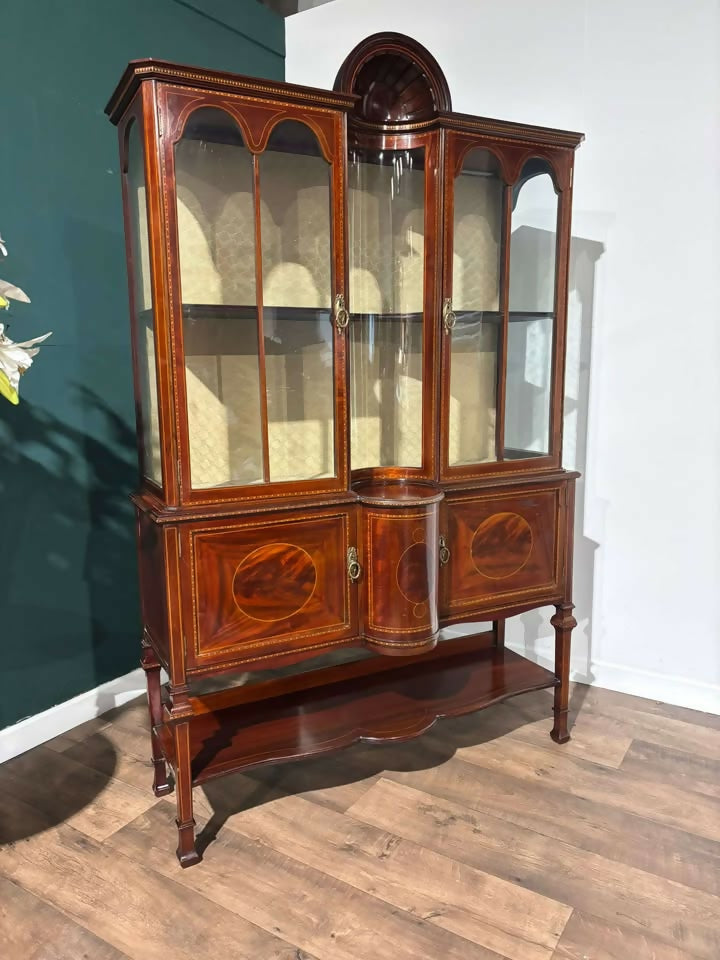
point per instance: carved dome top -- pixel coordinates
(397, 79)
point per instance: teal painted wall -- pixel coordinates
(69, 610)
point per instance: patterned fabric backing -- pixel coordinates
(478, 223)
(217, 256)
(216, 228)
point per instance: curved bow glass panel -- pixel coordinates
(142, 297)
(476, 338)
(533, 244)
(386, 226)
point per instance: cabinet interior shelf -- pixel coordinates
(315, 712)
(212, 329)
(200, 312)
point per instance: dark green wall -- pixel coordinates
(69, 613)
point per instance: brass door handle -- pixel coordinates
(444, 552)
(354, 570)
(342, 317)
(448, 316)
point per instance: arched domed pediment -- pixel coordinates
(398, 80)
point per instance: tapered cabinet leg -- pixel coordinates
(499, 630)
(151, 666)
(564, 623)
(186, 851)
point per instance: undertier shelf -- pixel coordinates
(312, 713)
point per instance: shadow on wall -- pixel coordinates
(67, 565)
(531, 632)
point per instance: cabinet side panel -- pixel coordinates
(153, 590)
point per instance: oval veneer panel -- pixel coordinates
(274, 582)
(412, 574)
(502, 545)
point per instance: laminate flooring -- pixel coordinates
(482, 840)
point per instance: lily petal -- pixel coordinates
(31, 343)
(8, 291)
(15, 359)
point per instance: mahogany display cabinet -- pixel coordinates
(348, 316)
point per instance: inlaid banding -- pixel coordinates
(412, 573)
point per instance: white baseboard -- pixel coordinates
(33, 731)
(679, 691)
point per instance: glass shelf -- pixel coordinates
(494, 316)
(212, 329)
(199, 312)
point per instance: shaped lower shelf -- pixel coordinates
(317, 712)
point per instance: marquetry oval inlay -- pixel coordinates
(502, 545)
(274, 582)
(412, 573)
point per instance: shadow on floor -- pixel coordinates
(42, 788)
(46, 787)
(366, 761)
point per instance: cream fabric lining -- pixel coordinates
(476, 286)
(216, 230)
(217, 237)
(387, 250)
(386, 276)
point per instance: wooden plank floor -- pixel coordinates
(482, 840)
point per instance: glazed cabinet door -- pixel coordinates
(501, 353)
(254, 196)
(268, 586)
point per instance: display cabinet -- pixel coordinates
(348, 334)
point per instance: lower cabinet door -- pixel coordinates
(270, 586)
(504, 551)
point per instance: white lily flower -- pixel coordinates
(15, 359)
(3, 248)
(8, 291)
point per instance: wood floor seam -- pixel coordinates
(239, 827)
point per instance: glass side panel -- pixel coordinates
(386, 225)
(295, 218)
(142, 295)
(477, 245)
(532, 313)
(216, 237)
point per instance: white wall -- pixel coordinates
(643, 406)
